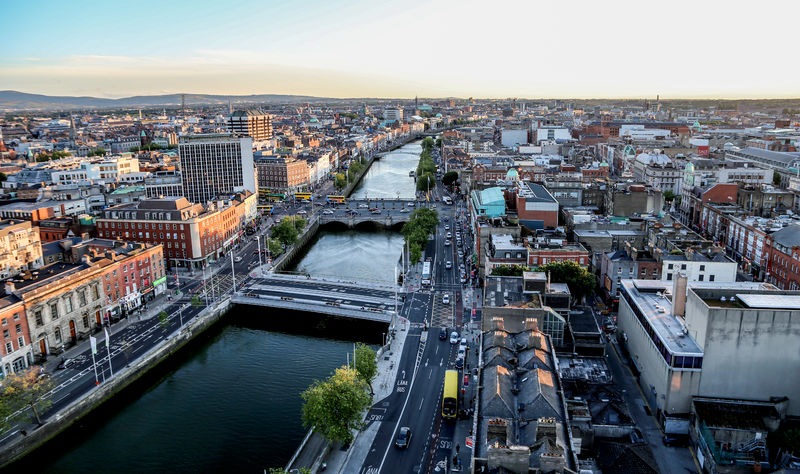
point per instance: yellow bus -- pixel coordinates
(450, 398)
(265, 208)
(302, 196)
(336, 199)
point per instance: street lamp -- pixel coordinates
(258, 242)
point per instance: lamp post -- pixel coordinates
(258, 242)
(233, 276)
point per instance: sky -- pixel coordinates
(403, 49)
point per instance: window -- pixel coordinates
(95, 293)
(5, 333)
(5, 322)
(16, 316)
(57, 333)
(19, 328)
(711, 278)
(683, 266)
(669, 276)
(38, 316)
(82, 297)
(85, 321)
(9, 347)
(68, 303)
(54, 310)
(669, 267)
(21, 342)
(702, 268)
(700, 278)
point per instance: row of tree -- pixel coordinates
(335, 407)
(421, 224)
(286, 232)
(426, 169)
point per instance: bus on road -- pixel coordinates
(426, 273)
(302, 196)
(336, 199)
(265, 194)
(265, 209)
(450, 398)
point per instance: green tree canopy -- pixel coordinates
(3, 177)
(438, 143)
(97, 152)
(426, 181)
(285, 232)
(578, 279)
(427, 144)
(508, 270)
(668, 195)
(163, 319)
(275, 248)
(299, 223)
(335, 407)
(340, 182)
(421, 224)
(450, 178)
(27, 389)
(366, 363)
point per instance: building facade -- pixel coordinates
(214, 166)
(251, 123)
(20, 248)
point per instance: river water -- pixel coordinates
(231, 403)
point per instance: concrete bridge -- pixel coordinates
(351, 221)
(367, 301)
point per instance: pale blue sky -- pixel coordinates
(615, 48)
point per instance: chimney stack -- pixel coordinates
(679, 288)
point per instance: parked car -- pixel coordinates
(446, 299)
(447, 243)
(403, 437)
(454, 337)
(460, 362)
(363, 206)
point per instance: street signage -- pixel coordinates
(469, 442)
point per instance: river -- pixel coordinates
(232, 401)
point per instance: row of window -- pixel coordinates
(138, 225)
(9, 346)
(677, 362)
(54, 313)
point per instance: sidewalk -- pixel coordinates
(153, 308)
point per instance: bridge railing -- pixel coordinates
(303, 276)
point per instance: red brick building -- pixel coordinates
(190, 233)
(542, 254)
(16, 352)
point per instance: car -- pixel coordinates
(447, 242)
(237, 259)
(404, 210)
(434, 205)
(412, 204)
(676, 440)
(302, 212)
(460, 253)
(65, 363)
(446, 299)
(443, 334)
(305, 201)
(448, 264)
(447, 227)
(376, 211)
(363, 206)
(454, 337)
(446, 219)
(449, 235)
(327, 211)
(403, 437)
(460, 363)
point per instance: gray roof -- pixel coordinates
(788, 236)
(497, 397)
(539, 395)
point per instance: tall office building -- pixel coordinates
(216, 165)
(251, 123)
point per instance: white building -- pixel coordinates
(393, 114)
(216, 165)
(710, 266)
(552, 133)
(511, 138)
(724, 340)
(659, 171)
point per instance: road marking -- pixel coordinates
(420, 403)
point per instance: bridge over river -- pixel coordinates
(369, 301)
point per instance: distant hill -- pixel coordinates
(14, 100)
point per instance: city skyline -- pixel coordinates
(374, 49)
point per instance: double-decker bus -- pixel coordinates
(450, 397)
(426, 273)
(336, 199)
(265, 209)
(270, 196)
(302, 196)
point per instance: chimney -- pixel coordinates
(689, 254)
(633, 253)
(679, 288)
(10, 287)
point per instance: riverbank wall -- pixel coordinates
(57, 423)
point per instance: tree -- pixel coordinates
(286, 232)
(341, 181)
(421, 224)
(508, 270)
(426, 182)
(275, 248)
(438, 143)
(578, 279)
(776, 179)
(427, 144)
(3, 177)
(196, 301)
(28, 389)
(97, 152)
(668, 195)
(163, 319)
(366, 363)
(335, 407)
(299, 223)
(450, 178)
